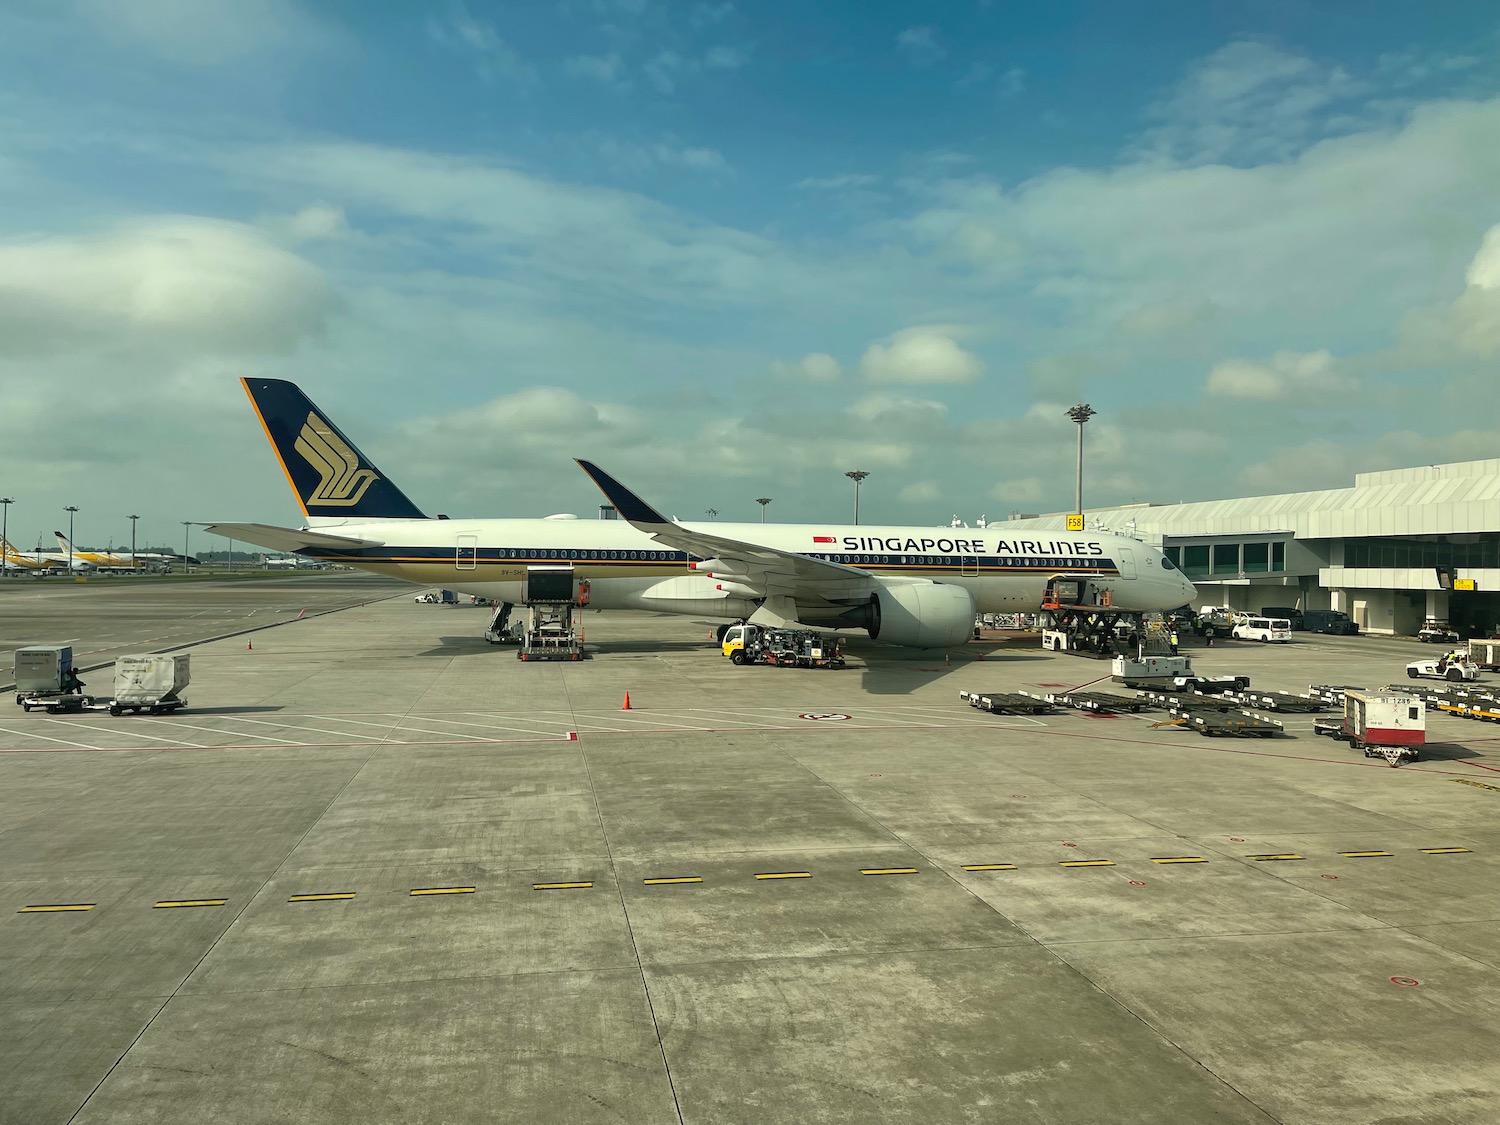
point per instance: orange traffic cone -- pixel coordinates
(626, 706)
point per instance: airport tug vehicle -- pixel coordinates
(1454, 666)
(787, 648)
(1390, 726)
(1170, 673)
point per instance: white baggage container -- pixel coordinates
(40, 670)
(150, 680)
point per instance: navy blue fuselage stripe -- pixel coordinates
(581, 556)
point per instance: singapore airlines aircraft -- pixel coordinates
(912, 586)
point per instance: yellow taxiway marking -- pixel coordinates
(321, 898)
(887, 870)
(56, 909)
(784, 875)
(190, 902)
(1361, 855)
(1286, 855)
(673, 879)
(1476, 784)
(1087, 863)
(561, 886)
(988, 866)
(1441, 851)
(445, 890)
(1180, 859)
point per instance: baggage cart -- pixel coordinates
(1389, 726)
(152, 683)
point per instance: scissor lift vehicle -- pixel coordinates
(553, 597)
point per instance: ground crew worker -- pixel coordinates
(1172, 640)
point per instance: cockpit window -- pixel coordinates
(1166, 563)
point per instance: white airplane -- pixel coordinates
(96, 560)
(912, 586)
(16, 561)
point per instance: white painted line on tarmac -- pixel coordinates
(285, 726)
(45, 738)
(765, 714)
(221, 731)
(392, 727)
(134, 734)
(991, 721)
(547, 725)
(654, 721)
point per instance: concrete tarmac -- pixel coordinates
(381, 871)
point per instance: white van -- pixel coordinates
(1263, 629)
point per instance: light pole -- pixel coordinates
(5, 503)
(762, 501)
(711, 512)
(132, 541)
(186, 526)
(857, 475)
(1080, 414)
(71, 509)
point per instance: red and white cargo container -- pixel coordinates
(1389, 726)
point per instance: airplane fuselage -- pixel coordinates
(627, 569)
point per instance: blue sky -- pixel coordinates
(731, 250)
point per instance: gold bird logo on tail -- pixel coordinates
(342, 482)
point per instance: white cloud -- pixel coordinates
(921, 45)
(1287, 375)
(1484, 270)
(191, 284)
(493, 56)
(1165, 319)
(601, 68)
(725, 58)
(636, 158)
(318, 222)
(900, 413)
(920, 492)
(920, 355)
(815, 367)
(838, 183)
(205, 32)
(1249, 102)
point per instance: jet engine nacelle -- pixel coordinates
(921, 615)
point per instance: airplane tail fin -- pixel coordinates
(328, 473)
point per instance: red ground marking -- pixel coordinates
(1327, 876)
(1067, 845)
(1407, 982)
(1137, 882)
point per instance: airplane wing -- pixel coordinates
(286, 538)
(773, 574)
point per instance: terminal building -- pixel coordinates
(1400, 548)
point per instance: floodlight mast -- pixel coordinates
(857, 476)
(1080, 414)
(763, 501)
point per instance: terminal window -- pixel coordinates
(1484, 552)
(1199, 560)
